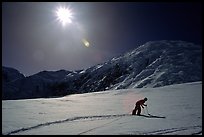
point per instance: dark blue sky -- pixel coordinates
(33, 40)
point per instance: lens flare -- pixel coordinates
(86, 43)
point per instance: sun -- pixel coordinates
(64, 15)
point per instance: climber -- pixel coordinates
(138, 105)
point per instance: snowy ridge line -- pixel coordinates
(66, 120)
(153, 64)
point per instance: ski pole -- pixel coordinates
(147, 111)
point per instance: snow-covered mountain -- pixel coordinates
(154, 64)
(10, 75)
(37, 85)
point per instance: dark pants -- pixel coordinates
(138, 109)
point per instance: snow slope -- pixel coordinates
(108, 112)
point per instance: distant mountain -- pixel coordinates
(37, 85)
(154, 64)
(10, 74)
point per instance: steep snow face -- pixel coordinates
(154, 64)
(108, 112)
(161, 63)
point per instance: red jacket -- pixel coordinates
(140, 102)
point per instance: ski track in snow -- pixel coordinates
(185, 107)
(66, 120)
(172, 130)
(98, 126)
(97, 117)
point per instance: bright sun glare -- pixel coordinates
(64, 15)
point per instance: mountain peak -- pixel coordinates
(153, 64)
(10, 74)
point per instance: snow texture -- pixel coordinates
(108, 113)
